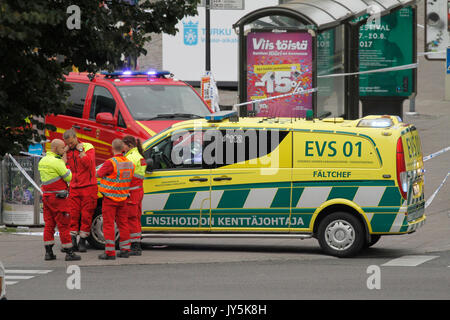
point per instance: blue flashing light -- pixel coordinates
(130, 73)
(221, 115)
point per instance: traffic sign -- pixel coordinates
(224, 4)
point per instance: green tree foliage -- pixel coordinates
(38, 45)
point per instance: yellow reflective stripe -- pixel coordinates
(44, 183)
(67, 175)
(149, 131)
(82, 136)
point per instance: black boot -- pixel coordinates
(104, 256)
(49, 255)
(135, 249)
(74, 243)
(71, 256)
(82, 245)
(123, 254)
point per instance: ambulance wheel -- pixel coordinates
(96, 238)
(341, 234)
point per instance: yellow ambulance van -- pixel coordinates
(343, 182)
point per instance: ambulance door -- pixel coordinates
(251, 180)
(334, 168)
(177, 192)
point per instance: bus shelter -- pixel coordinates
(313, 48)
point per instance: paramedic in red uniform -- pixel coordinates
(116, 174)
(55, 178)
(83, 188)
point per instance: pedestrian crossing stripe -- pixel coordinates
(12, 276)
(270, 203)
(408, 261)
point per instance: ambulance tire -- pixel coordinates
(96, 238)
(341, 234)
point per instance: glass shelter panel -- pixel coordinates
(330, 62)
(273, 22)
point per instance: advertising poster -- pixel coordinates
(19, 194)
(279, 63)
(437, 28)
(386, 44)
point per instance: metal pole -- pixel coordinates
(412, 105)
(208, 36)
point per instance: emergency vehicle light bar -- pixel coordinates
(221, 115)
(128, 73)
(376, 123)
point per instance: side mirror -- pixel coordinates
(105, 117)
(150, 164)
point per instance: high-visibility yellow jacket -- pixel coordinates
(54, 174)
(139, 167)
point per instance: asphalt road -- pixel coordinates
(238, 270)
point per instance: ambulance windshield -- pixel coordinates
(161, 101)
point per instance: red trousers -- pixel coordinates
(134, 204)
(114, 211)
(56, 215)
(82, 203)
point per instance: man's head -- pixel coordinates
(57, 146)
(70, 138)
(117, 146)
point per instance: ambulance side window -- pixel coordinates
(102, 101)
(77, 96)
(181, 150)
(240, 145)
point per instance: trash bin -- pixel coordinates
(22, 203)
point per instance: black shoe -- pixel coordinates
(135, 249)
(104, 256)
(82, 245)
(123, 254)
(49, 255)
(74, 243)
(71, 256)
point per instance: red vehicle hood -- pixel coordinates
(154, 126)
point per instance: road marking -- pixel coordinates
(408, 261)
(16, 274)
(28, 271)
(18, 277)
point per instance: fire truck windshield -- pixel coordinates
(147, 101)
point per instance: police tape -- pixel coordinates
(22, 170)
(277, 97)
(437, 153)
(298, 91)
(397, 68)
(431, 198)
(31, 154)
(419, 54)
